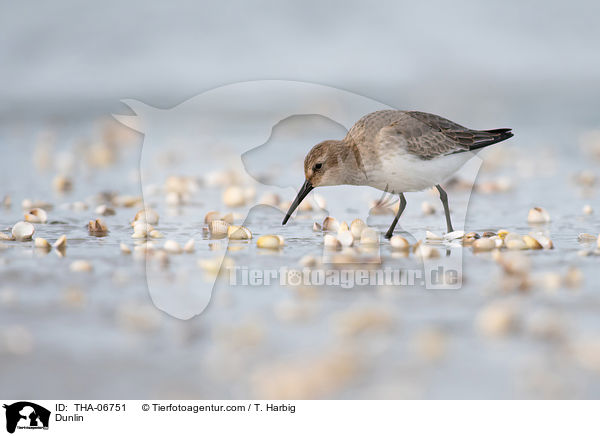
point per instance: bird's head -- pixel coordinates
(322, 167)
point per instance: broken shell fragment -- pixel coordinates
(97, 228)
(457, 234)
(42, 244)
(5, 237)
(356, 227)
(538, 215)
(587, 210)
(343, 227)
(317, 227)
(532, 243)
(218, 228)
(272, 242)
(432, 236)
(172, 247)
(586, 237)
(399, 243)
(238, 233)
(60, 243)
(36, 215)
(81, 266)
(125, 249)
(23, 231)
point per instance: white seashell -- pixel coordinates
(427, 208)
(343, 227)
(81, 266)
(432, 236)
(141, 230)
(36, 215)
(532, 243)
(331, 242)
(172, 247)
(356, 227)
(272, 242)
(149, 216)
(545, 242)
(538, 215)
(317, 227)
(587, 210)
(238, 232)
(330, 224)
(190, 246)
(498, 241)
(41, 243)
(457, 234)
(229, 218)
(155, 234)
(598, 241)
(61, 243)
(234, 197)
(426, 252)
(369, 236)
(484, 244)
(218, 228)
(515, 244)
(104, 210)
(399, 243)
(23, 231)
(211, 216)
(125, 249)
(346, 239)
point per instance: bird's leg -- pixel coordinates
(389, 233)
(444, 198)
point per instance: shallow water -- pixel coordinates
(99, 335)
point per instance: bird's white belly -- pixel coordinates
(402, 172)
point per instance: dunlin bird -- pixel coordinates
(397, 152)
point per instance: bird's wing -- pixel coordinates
(427, 136)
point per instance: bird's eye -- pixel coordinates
(318, 166)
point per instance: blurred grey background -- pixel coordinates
(482, 62)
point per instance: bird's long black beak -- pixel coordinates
(306, 188)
